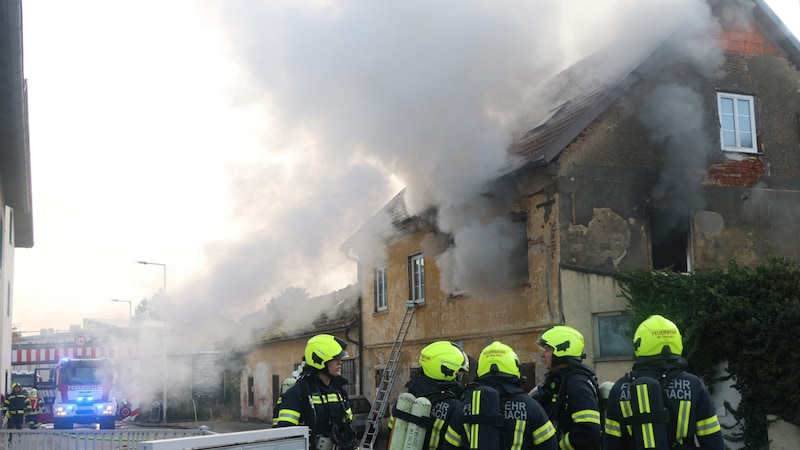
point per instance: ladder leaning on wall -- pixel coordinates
(388, 377)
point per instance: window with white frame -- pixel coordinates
(416, 277)
(380, 288)
(737, 122)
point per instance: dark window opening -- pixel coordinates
(251, 395)
(669, 240)
(528, 372)
(519, 254)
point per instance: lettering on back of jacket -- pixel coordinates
(440, 410)
(677, 389)
(515, 410)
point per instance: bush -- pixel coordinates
(748, 318)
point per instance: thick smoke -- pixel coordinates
(674, 115)
(360, 99)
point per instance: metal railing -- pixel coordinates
(128, 439)
(286, 438)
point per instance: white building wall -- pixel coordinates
(6, 295)
(583, 295)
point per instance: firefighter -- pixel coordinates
(287, 383)
(33, 416)
(569, 391)
(441, 363)
(15, 406)
(318, 399)
(689, 417)
(496, 412)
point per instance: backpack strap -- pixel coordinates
(308, 413)
(649, 419)
(485, 417)
(424, 422)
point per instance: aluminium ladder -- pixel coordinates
(378, 409)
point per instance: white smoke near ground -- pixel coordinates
(359, 99)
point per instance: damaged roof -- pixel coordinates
(327, 313)
(573, 99)
(578, 96)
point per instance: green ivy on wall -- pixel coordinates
(746, 318)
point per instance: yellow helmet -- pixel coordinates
(565, 341)
(498, 358)
(323, 348)
(15, 385)
(441, 360)
(33, 392)
(657, 335)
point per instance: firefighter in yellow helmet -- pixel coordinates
(15, 406)
(441, 364)
(318, 399)
(569, 391)
(496, 412)
(660, 386)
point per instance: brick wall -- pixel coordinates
(736, 173)
(750, 42)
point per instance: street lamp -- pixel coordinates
(130, 315)
(164, 266)
(164, 339)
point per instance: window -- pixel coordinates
(669, 240)
(613, 335)
(380, 289)
(251, 394)
(349, 372)
(416, 277)
(737, 122)
(528, 372)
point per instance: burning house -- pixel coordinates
(674, 150)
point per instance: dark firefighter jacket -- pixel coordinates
(571, 404)
(691, 412)
(525, 424)
(331, 407)
(445, 401)
(17, 403)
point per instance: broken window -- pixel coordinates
(380, 288)
(669, 240)
(737, 123)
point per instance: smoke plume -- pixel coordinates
(360, 99)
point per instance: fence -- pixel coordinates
(43, 439)
(287, 438)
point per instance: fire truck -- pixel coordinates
(83, 392)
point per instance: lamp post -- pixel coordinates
(164, 339)
(164, 266)
(130, 315)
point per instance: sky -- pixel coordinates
(239, 144)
